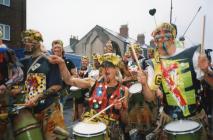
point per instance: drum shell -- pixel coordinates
(26, 126)
(194, 134)
(99, 137)
(189, 136)
(76, 94)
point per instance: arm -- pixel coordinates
(147, 92)
(204, 65)
(66, 76)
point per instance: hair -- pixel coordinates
(57, 42)
(60, 43)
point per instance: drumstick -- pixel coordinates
(20, 104)
(103, 110)
(203, 35)
(136, 58)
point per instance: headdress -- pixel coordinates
(136, 47)
(95, 56)
(109, 58)
(109, 47)
(85, 58)
(32, 36)
(165, 27)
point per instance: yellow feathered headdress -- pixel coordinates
(136, 47)
(109, 57)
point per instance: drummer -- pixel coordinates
(177, 73)
(94, 73)
(131, 63)
(79, 102)
(42, 83)
(104, 92)
(10, 73)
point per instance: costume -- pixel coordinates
(178, 77)
(102, 95)
(42, 70)
(39, 77)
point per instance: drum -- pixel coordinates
(75, 92)
(135, 88)
(183, 130)
(26, 126)
(89, 131)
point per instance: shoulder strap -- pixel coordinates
(38, 58)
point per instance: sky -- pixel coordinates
(59, 19)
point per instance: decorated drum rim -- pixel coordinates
(193, 130)
(90, 134)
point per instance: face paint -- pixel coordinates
(164, 46)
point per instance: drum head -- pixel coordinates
(135, 88)
(89, 129)
(182, 127)
(73, 88)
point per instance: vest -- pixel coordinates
(179, 84)
(101, 98)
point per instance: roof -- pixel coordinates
(108, 31)
(68, 49)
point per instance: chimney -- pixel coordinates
(141, 39)
(124, 31)
(73, 41)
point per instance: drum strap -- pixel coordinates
(38, 58)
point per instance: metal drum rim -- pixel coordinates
(24, 129)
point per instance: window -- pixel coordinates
(5, 2)
(6, 31)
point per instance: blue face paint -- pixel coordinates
(164, 47)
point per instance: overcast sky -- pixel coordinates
(59, 19)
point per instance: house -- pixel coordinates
(94, 41)
(12, 21)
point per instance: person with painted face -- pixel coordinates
(42, 81)
(177, 72)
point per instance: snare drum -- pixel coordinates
(183, 130)
(135, 88)
(89, 131)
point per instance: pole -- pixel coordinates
(203, 35)
(171, 13)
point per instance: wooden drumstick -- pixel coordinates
(136, 58)
(96, 115)
(203, 35)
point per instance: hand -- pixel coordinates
(2, 88)
(203, 62)
(54, 59)
(142, 77)
(117, 104)
(32, 102)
